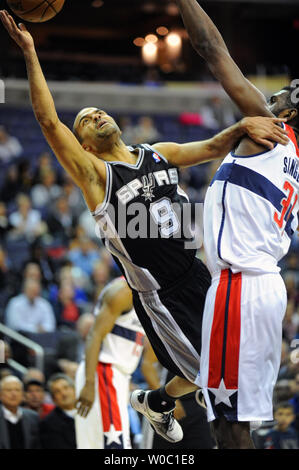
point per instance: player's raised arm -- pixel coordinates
(84, 167)
(115, 301)
(262, 130)
(209, 44)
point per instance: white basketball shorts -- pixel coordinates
(241, 345)
(107, 424)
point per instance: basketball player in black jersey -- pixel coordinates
(169, 283)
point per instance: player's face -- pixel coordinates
(94, 126)
(279, 102)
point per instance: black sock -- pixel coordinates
(160, 401)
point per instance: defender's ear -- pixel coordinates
(289, 114)
(86, 147)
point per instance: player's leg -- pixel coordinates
(89, 430)
(242, 328)
(121, 385)
(231, 435)
(172, 322)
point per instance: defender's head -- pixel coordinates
(95, 130)
(285, 104)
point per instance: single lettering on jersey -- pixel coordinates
(291, 168)
(2, 92)
(147, 183)
(2, 352)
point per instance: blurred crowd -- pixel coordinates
(52, 269)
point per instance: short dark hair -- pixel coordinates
(59, 376)
(284, 405)
(33, 382)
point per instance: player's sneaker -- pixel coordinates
(163, 423)
(200, 398)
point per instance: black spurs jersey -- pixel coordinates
(143, 220)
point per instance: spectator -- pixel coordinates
(290, 321)
(61, 222)
(128, 130)
(8, 281)
(10, 147)
(100, 277)
(57, 430)
(45, 192)
(295, 401)
(66, 310)
(44, 165)
(18, 426)
(88, 223)
(28, 312)
(32, 271)
(282, 435)
(145, 131)
(78, 279)
(11, 185)
(74, 196)
(5, 224)
(85, 256)
(33, 374)
(35, 398)
(40, 257)
(217, 114)
(26, 221)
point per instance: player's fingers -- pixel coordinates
(9, 23)
(86, 411)
(23, 27)
(5, 20)
(281, 138)
(81, 410)
(278, 120)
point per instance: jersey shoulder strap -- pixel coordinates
(292, 137)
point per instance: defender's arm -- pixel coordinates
(262, 130)
(117, 299)
(209, 44)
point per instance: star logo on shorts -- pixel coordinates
(113, 439)
(222, 394)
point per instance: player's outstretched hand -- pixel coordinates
(265, 131)
(85, 400)
(19, 34)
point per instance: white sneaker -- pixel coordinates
(163, 423)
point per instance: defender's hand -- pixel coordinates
(19, 34)
(265, 131)
(85, 400)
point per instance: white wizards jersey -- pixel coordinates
(123, 346)
(250, 210)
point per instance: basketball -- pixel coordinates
(36, 11)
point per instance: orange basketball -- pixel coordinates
(36, 11)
